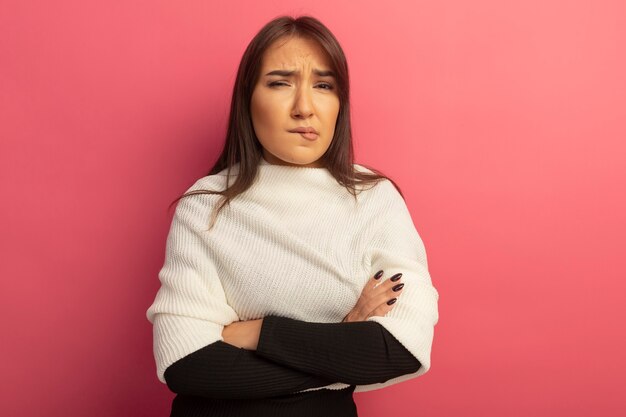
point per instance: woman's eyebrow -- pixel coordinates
(286, 73)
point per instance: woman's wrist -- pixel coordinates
(243, 334)
(255, 333)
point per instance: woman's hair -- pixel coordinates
(242, 145)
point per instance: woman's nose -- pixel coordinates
(303, 103)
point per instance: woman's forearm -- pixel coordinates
(221, 370)
(291, 355)
(358, 353)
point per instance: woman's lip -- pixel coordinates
(308, 136)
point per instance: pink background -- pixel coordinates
(503, 122)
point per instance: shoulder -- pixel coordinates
(198, 200)
(383, 188)
(215, 182)
(362, 168)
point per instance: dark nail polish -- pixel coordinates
(398, 287)
(396, 277)
(378, 274)
(393, 300)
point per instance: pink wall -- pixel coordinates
(503, 122)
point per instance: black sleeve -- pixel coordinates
(221, 370)
(355, 353)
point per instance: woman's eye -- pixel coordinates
(272, 84)
(325, 86)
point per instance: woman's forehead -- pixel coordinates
(294, 54)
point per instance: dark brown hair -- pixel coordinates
(242, 145)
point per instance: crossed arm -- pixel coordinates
(279, 355)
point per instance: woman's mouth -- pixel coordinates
(308, 135)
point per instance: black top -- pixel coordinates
(292, 355)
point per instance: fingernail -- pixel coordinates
(378, 274)
(396, 277)
(398, 287)
(393, 300)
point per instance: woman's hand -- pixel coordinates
(243, 334)
(372, 302)
(375, 297)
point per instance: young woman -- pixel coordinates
(280, 292)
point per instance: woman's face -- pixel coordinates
(304, 98)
